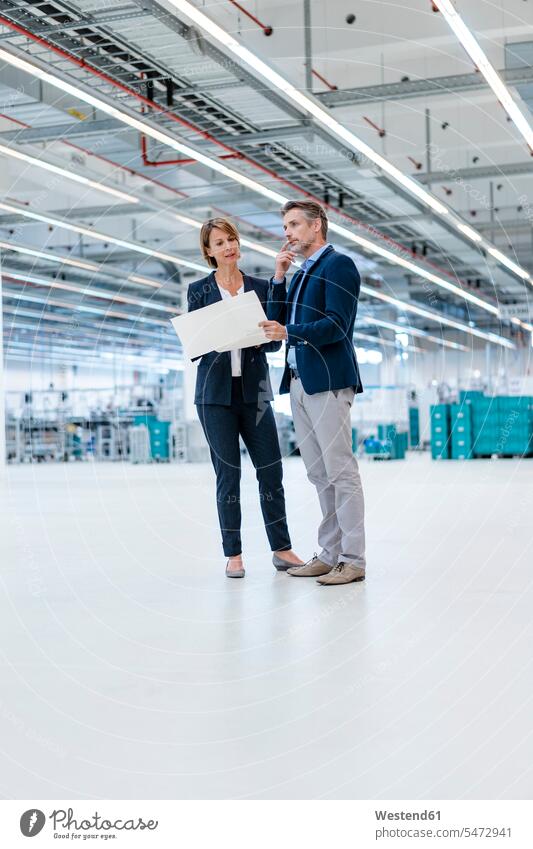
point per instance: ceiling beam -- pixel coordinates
(477, 172)
(420, 88)
(65, 131)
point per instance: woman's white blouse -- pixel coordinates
(235, 355)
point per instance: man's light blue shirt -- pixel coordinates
(291, 353)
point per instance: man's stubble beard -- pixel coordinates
(302, 247)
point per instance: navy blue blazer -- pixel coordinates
(323, 330)
(214, 380)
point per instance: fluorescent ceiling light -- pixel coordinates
(128, 118)
(388, 343)
(89, 291)
(480, 60)
(421, 272)
(148, 281)
(442, 319)
(86, 265)
(192, 222)
(104, 332)
(509, 263)
(63, 172)
(469, 232)
(308, 104)
(141, 126)
(22, 249)
(55, 302)
(103, 237)
(402, 305)
(414, 331)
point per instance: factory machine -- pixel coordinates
(134, 426)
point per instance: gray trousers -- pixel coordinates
(323, 429)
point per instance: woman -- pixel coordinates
(233, 395)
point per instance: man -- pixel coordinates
(316, 319)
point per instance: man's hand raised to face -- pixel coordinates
(283, 261)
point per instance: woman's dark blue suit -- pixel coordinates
(229, 407)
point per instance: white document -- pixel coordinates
(224, 326)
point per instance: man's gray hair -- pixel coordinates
(311, 210)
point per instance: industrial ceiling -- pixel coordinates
(124, 125)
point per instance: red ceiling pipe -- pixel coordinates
(380, 131)
(418, 165)
(158, 162)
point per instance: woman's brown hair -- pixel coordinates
(205, 233)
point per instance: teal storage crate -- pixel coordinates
(484, 408)
(485, 447)
(522, 403)
(394, 442)
(461, 422)
(159, 436)
(510, 430)
(159, 440)
(461, 445)
(440, 449)
(515, 417)
(467, 396)
(518, 448)
(414, 427)
(399, 446)
(462, 452)
(386, 431)
(490, 427)
(440, 412)
(461, 412)
(440, 421)
(440, 430)
(462, 429)
(440, 415)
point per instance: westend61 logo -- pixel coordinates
(67, 827)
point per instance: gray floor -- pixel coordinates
(132, 668)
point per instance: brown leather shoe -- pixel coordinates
(310, 569)
(344, 573)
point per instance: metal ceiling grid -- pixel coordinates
(271, 156)
(118, 62)
(163, 56)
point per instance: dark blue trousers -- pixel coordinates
(256, 425)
